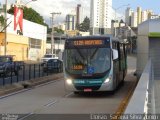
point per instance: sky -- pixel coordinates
(45, 7)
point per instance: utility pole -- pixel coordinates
(115, 9)
(5, 39)
(52, 34)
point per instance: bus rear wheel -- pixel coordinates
(76, 92)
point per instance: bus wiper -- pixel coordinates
(94, 53)
(80, 53)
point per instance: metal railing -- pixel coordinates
(28, 72)
(142, 102)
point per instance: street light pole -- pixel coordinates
(21, 4)
(29, 2)
(115, 9)
(5, 39)
(52, 33)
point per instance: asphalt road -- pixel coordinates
(53, 99)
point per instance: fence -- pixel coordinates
(29, 71)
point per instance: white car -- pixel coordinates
(48, 57)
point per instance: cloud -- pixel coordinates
(45, 7)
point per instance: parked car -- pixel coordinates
(47, 57)
(7, 65)
(53, 65)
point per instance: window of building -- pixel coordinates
(35, 43)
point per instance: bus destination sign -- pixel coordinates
(87, 42)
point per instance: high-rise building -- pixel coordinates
(150, 13)
(134, 19)
(79, 14)
(100, 16)
(128, 14)
(144, 16)
(139, 15)
(70, 22)
(154, 16)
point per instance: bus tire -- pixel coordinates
(76, 92)
(122, 82)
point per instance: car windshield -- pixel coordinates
(88, 61)
(49, 56)
(4, 59)
(52, 60)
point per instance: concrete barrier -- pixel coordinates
(139, 100)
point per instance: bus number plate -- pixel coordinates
(87, 90)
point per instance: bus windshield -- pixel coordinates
(88, 61)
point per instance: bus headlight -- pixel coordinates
(108, 79)
(69, 81)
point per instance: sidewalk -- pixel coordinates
(7, 89)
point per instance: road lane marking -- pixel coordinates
(28, 89)
(25, 116)
(67, 95)
(50, 82)
(124, 102)
(51, 103)
(14, 93)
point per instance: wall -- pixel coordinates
(144, 34)
(16, 45)
(19, 44)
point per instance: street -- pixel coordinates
(53, 99)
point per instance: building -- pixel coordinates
(31, 45)
(139, 15)
(61, 26)
(134, 19)
(128, 14)
(79, 14)
(71, 33)
(154, 16)
(83, 33)
(150, 13)
(144, 16)
(59, 42)
(70, 22)
(100, 13)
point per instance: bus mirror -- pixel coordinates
(115, 54)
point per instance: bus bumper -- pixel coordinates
(104, 87)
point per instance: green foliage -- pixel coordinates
(58, 30)
(31, 15)
(84, 27)
(49, 30)
(2, 20)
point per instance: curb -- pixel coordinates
(10, 89)
(28, 83)
(41, 80)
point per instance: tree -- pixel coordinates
(1, 20)
(84, 27)
(49, 30)
(58, 30)
(31, 15)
